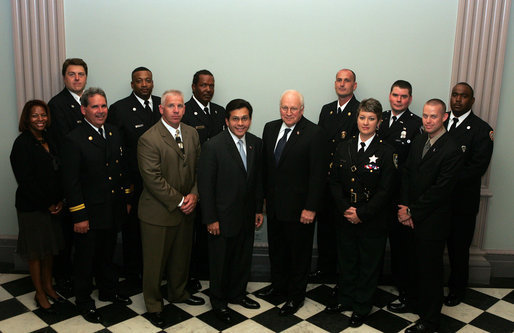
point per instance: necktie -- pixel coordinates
(147, 107)
(426, 148)
(206, 110)
(394, 120)
(361, 150)
(339, 111)
(454, 124)
(179, 140)
(280, 145)
(242, 151)
(101, 132)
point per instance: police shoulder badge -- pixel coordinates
(491, 135)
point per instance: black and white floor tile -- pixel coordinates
(483, 310)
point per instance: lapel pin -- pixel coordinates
(469, 127)
(250, 147)
(72, 106)
(90, 138)
(331, 112)
(110, 133)
(297, 132)
(463, 149)
(349, 114)
(196, 113)
(134, 109)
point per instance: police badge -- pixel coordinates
(463, 149)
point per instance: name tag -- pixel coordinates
(200, 127)
(139, 125)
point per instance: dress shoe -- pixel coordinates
(249, 303)
(452, 300)
(419, 328)
(357, 320)
(116, 298)
(223, 315)
(290, 308)
(193, 285)
(194, 300)
(317, 274)
(156, 319)
(337, 308)
(267, 291)
(59, 299)
(399, 306)
(49, 310)
(335, 290)
(92, 316)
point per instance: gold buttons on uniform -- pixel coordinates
(112, 191)
(110, 178)
(107, 164)
(353, 179)
(116, 161)
(333, 140)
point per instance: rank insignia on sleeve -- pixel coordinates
(395, 160)
(463, 149)
(491, 135)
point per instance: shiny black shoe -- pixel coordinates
(337, 308)
(156, 319)
(92, 316)
(59, 299)
(49, 310)
(419, 328)
(193, 285)
(290, 307)
(452, 299)
(116, 298)
(399, 306)
(267, 291)
(223, 315)
(357, 320)
(194, 300)
(249, 303)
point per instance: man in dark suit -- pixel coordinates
(134, 115)
(66, 115)
(399, 127)
(475, 138)
(208, 119)
(338, 120)
(167, 155)
(295, 171)
(230, 185)
(95, 182)
(429, 176)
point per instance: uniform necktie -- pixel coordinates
(101, 132)
(361, 150)
(242, 151)
(179, 140)
(394, 120)
(339, 111)
(280, 145)
(454, 124)
(206, 110)
(147, 107)
(426, 148)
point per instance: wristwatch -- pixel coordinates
(408, 211)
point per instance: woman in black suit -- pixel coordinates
(38, 199)
(361, 179)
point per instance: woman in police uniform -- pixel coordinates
(361, 179)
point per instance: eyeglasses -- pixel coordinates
(287, 108)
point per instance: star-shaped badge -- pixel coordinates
(373, 159)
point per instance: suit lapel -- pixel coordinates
(293, 138)
(233, 150)
(170, 140)
(435, 148)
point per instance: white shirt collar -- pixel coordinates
(171, 129)
(461, 118)
(96, 128)
(367, 142)
(201, 105)
(142, 101)
(344, 105)
(77, 97)
(236, 139)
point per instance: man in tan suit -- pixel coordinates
(167, 156)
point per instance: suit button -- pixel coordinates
(106, 164)
(331, 154)
(121, 174)
(110, 178)
(353, 179)
(333, 140)
(116, 161)
(112, 191)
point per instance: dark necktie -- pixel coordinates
(339, 111)
(179, 140)
(206, 110)
(147, 107)
(454, 124)
(361, 150)
(101, 132)
(280, 145)
(394, 120)
(426, 148)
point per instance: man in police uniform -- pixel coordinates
(208, 119)
(338, 120)
(475, 138)
(96, 187)
(399, 127)
(134, 115)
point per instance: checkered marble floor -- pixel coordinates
(483, 310)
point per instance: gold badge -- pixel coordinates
(343, 134)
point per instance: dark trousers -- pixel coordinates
(199, 265)
(326, 236)
(425, 290)
(132, 251)
(93, 257)
(360, 261)
(63, 266)
(230, 260)
(290, 252)
(459, 241)
(401, 242)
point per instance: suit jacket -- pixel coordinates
(66, 115)
(364, 181)
(132, 120)
(168, 174)
(36, 172)
(401, 134)
(475, 139)
(230, 194)
(298, 181)
(338, 127)
(95, 176)
(206, 126)
(427, 184)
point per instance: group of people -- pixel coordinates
(186, 183)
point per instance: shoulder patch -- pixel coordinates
(491, 135)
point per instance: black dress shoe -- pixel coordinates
(249, 303)
(337, 308)
(156, 319)
(290, 308)
(419, 328)
(357, 320)
(317, 274)
(399, 306)
(49, 310)
(452, 300)
(194, 300)
(193, 285)
(334, 290)
(223, 315)
(267, 291)
(59, 299)
(92, 316)
(116, 298)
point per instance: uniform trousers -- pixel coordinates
(401, 241)
(93, 256)
(459, 241)
(326, 236)
(165, 249)
(132, 252)
(360, 256)
(290, 252)
(230, 260)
